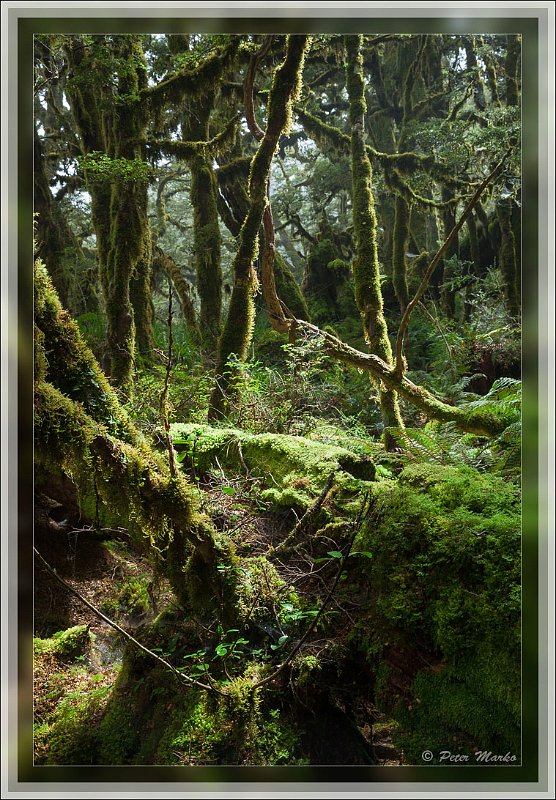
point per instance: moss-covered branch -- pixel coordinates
(193, 81)
(479, 421)
(184, 151)
(329, 137)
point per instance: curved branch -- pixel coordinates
(252, 123)
(478, 421)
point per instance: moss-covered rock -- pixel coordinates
(445, 590)
(68, 644)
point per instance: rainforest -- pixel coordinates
(277, 399)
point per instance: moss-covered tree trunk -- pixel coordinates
(54, 238)
(400, 241)
(111, 121)
(82, 430)
(206, 244)
(206, 230)
(507, 211)
(366, 271)
(507, 258)
(511, 70)
(448, 217)
(236, 335)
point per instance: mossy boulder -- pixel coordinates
(445, 605)
(294, 469)
(68, 644)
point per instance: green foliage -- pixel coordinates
(74, 735)
(132, 597)
(237, 731)
(476, 703)
(93, 329)
(444, 444)
(100, 167)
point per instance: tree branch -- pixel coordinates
(478, 421)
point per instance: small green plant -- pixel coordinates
(132, 597)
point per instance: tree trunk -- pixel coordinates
(237, 332)
(507, 260)
(366, 271)
(119, 196)
(448, 216)
(400, 242)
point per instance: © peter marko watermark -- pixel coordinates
(479, 757)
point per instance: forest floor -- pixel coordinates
(102, 569)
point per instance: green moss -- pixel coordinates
(294, 468)
(327, 282)
(366, 270)
(119, 733)
(148, 722)
(288, 288)
(74, 736)
(68, 644)
(445, 584)
(399, 249)
(206, 234)
(70, 365)
(133, 596)
(460, 705)
(306, 670)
